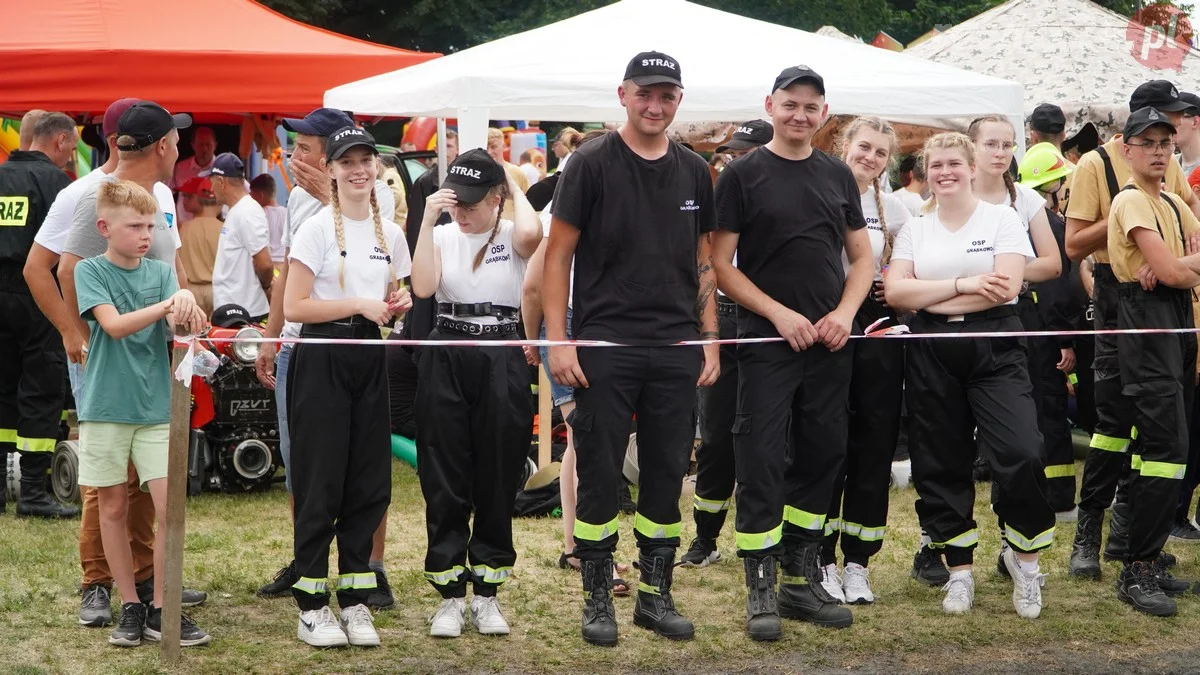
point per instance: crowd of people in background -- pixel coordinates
(636, 239)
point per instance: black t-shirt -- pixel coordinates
(419, 322)
(540, 193)
(640, 222)
(792, 217)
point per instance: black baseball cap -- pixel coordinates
(472, 175)
(320, 122)
(1143, 119)
(345, 138)
(654, 68)
(1048, 118)
(1084, 140)
(1159, 94)
(230, 316)
(795, 74)
(146, 122)
(228, 165)
(749, 135)
(1190, 98)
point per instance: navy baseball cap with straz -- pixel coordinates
(472, 175)
(320, 122)
(343, 139)
(228, 165)
(749, 135)
(650, 68)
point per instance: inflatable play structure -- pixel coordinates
(405, 450)
(422, 133)
(10, 139)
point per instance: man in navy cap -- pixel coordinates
(243, 270)
(310, 195)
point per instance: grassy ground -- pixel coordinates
(235, 543)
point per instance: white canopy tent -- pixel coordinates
(570, 71)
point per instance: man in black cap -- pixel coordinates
(1098, 179)
(1187, 135)
(789, 210)
(243, 270)
(1147, 232)
(718, 403)
(310, 195)
(32, 359)
(635, 212)
(1046, 125)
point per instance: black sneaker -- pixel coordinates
(381, 597)
(190, 634)
(189, 598)
(129, 629)
(1184, 532)
(1001, 568)
(701, 553)
(95, 610)
(1138, 586)
(281, 585)
(929, 569)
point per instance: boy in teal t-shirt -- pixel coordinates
(130, 304)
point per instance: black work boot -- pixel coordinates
(655, 609)
(801, 595)
(1138, 586)
(1167, 582)
(1117, 545)
(599, 617)
(34, 500)
(1085, 550)
(762, 610)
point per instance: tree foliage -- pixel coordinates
(441, 26)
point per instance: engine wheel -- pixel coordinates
(64, 472)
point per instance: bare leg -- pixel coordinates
(158, 492)
(567, 482)
(114, 535)
(378, 539)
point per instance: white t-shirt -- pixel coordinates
(276, 226)
(531, 173)
(1029, 204)
(911, 201)
(366, 272)
(245, 233)
(937, 253)
(302, 206)
(499, 277)
(546, 216)
(1187, 168)
(895, 215)
(185, 171)
(57, 225)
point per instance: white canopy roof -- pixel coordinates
(1072, 53)
(570, 70)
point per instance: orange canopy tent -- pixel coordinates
(217, 56)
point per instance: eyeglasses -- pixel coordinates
(993, 146)
(1164, 146)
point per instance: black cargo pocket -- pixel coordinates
(741, 423)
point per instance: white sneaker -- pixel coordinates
(832, 583)
(1027, 587)
(960, 593)
(359, 626)
(486, 616)
(856, 586)
(319, 628)
(448, 621)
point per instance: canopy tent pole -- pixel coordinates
(441, 150)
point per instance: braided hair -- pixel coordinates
(973, 134)
(340, 232)
(382, 240)
(881, 126)
(502, 191)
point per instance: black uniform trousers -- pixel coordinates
(658, 384)
(948, 383)
(860, 489)
(1192, 478)
(789, 442)
(1107, 461)
(475, 412)
(33, 375)
(341, 465)
(1085, 379)
(715, 468)
(1158, 380)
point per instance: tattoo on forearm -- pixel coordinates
(706, 292)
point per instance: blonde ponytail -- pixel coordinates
(339, 232)
(1012, 189)
(382, 241)
(888, 239)
(501, 190)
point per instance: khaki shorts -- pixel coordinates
(106, 448)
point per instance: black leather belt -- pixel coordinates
(993, 313)
(477, 309)
(355, 327)
(477, 329)
(726, 308)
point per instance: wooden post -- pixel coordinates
(545, 418)
(177, 468)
